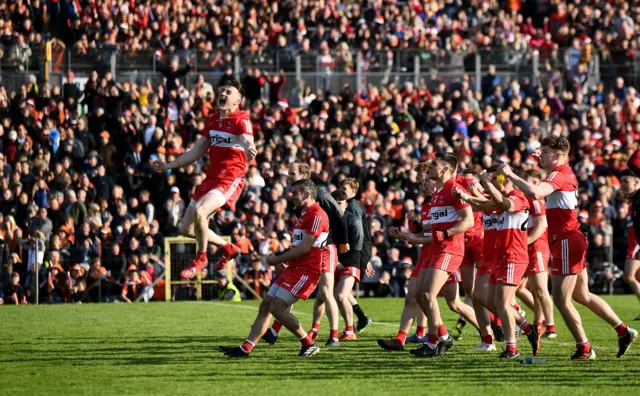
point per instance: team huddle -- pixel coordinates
(498, 232)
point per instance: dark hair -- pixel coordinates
(449, 159)
(470, 171)
(556, 143)
(339, 195)
(307, 186)
(628, 173)
(236, 84)
(493, 168)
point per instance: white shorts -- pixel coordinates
(285, 295)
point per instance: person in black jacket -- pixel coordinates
(338, 234)
(352, 262)
(630, 188)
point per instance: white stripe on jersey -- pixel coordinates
(224, 139)
(298, 237)
(512, 221)
(489, 221)
(562, 200)
(316, 224)
(444, 214)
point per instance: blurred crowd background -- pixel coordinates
(92, 91)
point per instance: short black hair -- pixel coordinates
(470, 171)
(448, 158)
(627, 173)
(492, 168)
(339, 195)
(307, 186)
(236, 84)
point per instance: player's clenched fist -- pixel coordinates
(159, 166)
(251, 153)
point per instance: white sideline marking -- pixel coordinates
(546, 341)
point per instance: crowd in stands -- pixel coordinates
(79, 193)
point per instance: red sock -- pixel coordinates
(247, 346)
(306, 340)
(421, 331)
(621, 329)
(516, 306)
(316, 327)
(333, 334)
(442, 332)
(349, 329)
(550, 328)
(227, 250)
(583, 347)
(492, 317)
(512, 347)
(402, 336)
(497, 321)
(277, 325)
(525, 326)
(540, 324)
(432, 339)
(488, 339)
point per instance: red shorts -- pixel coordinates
(569, 254)
(509, 273)
(473, 250)
(298, 282)
(348, 271)
(538, 261)
(329, 259)
(486, 268)
(632, 250)
(446, 262)
(229, 188)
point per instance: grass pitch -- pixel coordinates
(171, 348)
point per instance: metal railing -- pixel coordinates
(331, 70)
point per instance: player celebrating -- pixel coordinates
(630, 187)
(569, 247)
(300, 276)
(228, 137)
(538, 260)
(338, 234)
(450, 219)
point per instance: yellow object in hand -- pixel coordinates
(500, 179)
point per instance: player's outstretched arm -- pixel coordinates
(462, 226)
(478, 203)
(294, 253)
(496, 196)
(185, 159)
(538, 191)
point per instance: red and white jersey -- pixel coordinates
(537, 208)
(226, 154)
(425, 219)
(444, 215)
(562, 203)
(631, 234)
(490, 251)
(315, 222)
(478, 229)
(512, 229)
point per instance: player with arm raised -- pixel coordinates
(569, 247)
(300, 277)
(228, 137)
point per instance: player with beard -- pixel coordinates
(228, 138)
(569, 247)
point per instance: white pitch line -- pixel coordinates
(563, 344)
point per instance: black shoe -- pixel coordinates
(625, 341)
(234, 352)
(591, 355)
(509, 355)
(534, 338)
(637, 317)
(270, 336)
(444, 346)
(498, 333)
(425, 351)
(391, 345)
(362, 324)
(309, 350)
(332, 342)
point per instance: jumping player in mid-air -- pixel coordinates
(228, 137)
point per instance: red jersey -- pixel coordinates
(631, 233)
(226, 154)
(512, 229)
(562, 203)
(425, 218)
(477, 230)
(444, 215)
(315, 222)
(537, 208)
(490, 250)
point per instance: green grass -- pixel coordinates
(172, 349)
